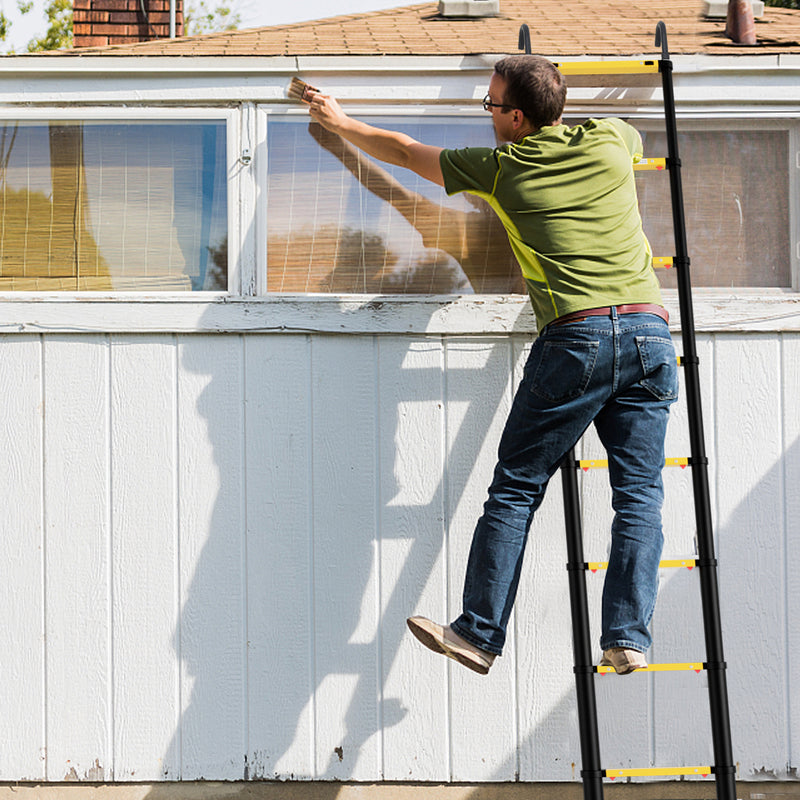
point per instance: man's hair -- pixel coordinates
(534, 86)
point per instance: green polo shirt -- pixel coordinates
(567, 199)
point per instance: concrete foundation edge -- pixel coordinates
(211, 790)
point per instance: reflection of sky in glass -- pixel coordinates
(151, 196)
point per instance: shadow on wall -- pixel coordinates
(301, 559)
(290, 469)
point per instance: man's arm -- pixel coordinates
(389, 146)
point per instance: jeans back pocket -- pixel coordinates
(564, 370)
(660, 366)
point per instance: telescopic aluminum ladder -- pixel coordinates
(723, 769)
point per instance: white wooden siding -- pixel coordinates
(210, 544)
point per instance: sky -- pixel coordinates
(253, 13)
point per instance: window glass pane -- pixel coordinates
(340, 222)
(736, 198)
(113, 205)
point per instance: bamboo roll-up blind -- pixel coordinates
(113, 205)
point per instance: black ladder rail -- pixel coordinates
(717, 683)
(591, 769)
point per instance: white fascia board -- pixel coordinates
(739, 311)
(720, 82)
(160, 80)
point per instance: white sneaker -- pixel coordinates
(442, 639)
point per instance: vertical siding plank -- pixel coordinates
(144, 556)
(483, 711)
(682, 730)
(345, 578)
(21, 685)
(212, 625)
(752, 543)
(77, 564)
(411, 444)
(279, 573)
(791, 502)
(549, 742)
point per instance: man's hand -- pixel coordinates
(327, 111)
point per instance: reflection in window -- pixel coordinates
(736, 198)
(340, 222)
(113, 206)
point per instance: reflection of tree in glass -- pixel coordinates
(476, 240)
(217, 271)
(346, 260)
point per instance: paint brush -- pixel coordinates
(300, 90)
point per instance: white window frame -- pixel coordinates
(113, 114)
(649, 122)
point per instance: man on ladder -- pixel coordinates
(604, 354)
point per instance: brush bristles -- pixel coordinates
(300, 90)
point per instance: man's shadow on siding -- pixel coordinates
(280, 640)
(307, 560)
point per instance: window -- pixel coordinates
(113, 205)
(736, 198)
(341, 222)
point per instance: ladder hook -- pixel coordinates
(524, 39)
(661, 40)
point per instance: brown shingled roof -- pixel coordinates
(558, 27)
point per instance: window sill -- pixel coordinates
(714, 311)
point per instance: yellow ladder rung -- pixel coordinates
(663, 262)
(602, 463)
(606, 67)
(667, 563)
(626, 773)
(651, 163)
(697, 666)
(682, 462)
(678, 563)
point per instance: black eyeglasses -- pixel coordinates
(488, 104)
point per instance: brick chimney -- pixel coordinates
(100, 22)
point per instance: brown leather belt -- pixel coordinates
(629, 308)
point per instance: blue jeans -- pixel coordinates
(620, 372)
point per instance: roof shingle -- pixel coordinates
(558, 28)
